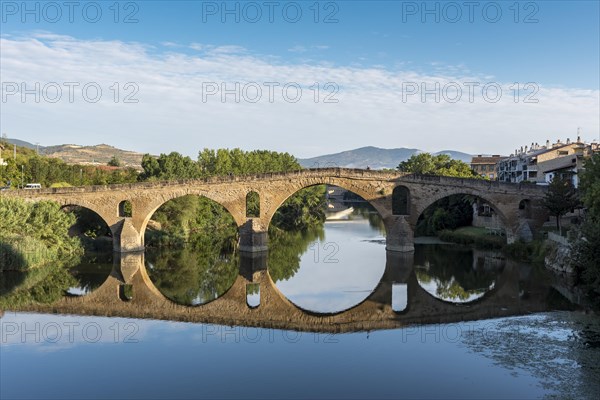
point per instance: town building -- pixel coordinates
(486, 166)
(539, 164)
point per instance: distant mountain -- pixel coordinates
(372, 157)
(23, 143)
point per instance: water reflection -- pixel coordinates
(193, 276)
(455, 273)
(326, 269)
(253, 295)
(90, 273)
(336, 267)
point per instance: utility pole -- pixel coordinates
(37, 148)
(22, 176)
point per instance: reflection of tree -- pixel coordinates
(453, 271)
(40, 285)
(368, 212)
(92, 271)
(286, 248)
(252, 288)
(194, 274)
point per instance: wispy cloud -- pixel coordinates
(171, 113)
(304, 49)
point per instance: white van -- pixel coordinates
(31, 186)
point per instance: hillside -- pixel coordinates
(86, 155)
(98, 154)
(372, 157)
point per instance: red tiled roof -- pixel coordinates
(486, 160)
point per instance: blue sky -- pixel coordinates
(553, 44)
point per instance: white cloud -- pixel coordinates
(171, 114)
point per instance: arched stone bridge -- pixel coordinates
(399, 198)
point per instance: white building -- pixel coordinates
(539, 164)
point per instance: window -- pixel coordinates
(400, 201)
(252, 205)
(125, 209)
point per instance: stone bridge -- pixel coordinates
(399, 198)
(513, 294)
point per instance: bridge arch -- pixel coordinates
(81, 202)
(234, 209)
(368, 193)
(420, 207)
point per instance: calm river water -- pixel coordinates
(327, 314)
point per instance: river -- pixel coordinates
(327, 314)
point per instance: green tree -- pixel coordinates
(590, 187)
(34, 234)
(441, 164)
(585, 249)
(114, 162)
(560, 198)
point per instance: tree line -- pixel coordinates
(30, 167)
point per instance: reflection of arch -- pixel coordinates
(252, 205)
(399, 297)
(401, 201)
(504, 274)
(253, 295)
(370, 197)
(126, 292)
(193, 277)
(370, 298)
(125, 209)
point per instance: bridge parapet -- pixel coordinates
(497, 186)
(313, 172)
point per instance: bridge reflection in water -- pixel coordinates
(129, 292)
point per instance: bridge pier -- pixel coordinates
(398, 269)
(399, 234)
(252, 263)
(253, 237)
(126, 239)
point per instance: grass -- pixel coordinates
(471, 235)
